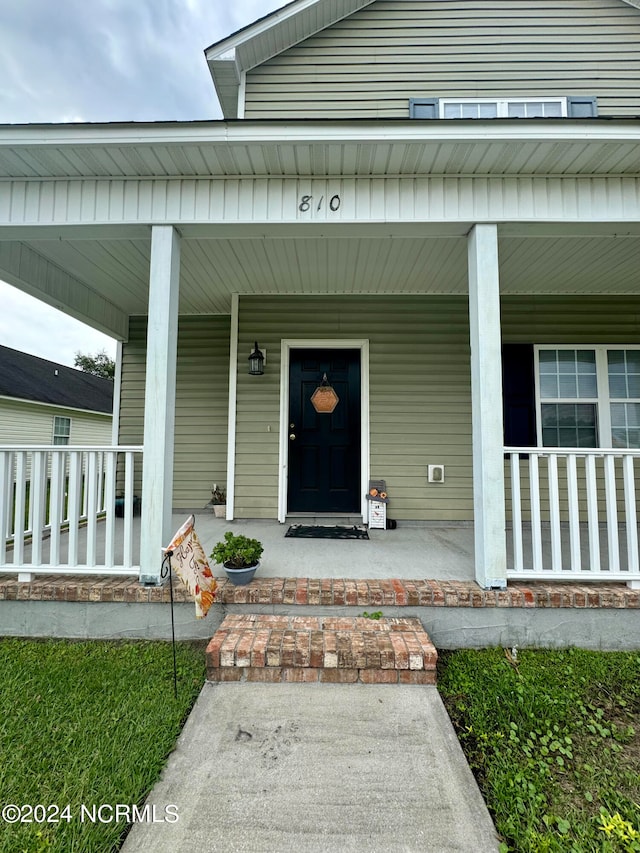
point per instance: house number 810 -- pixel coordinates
(306, 205)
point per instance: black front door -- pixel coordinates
(324, 449)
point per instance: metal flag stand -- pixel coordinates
(165, 570)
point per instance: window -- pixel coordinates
(571, 106)
(588, 396)
(61, 430)
(487, 108)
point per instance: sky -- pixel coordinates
(103, 60)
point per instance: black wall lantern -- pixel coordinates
(256, 362)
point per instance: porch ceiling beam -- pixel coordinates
(320, 202)
(26, 269)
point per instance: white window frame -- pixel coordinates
(502, 104)
(602, 401)
(56, 434)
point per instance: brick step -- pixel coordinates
(252, 647)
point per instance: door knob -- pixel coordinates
(292, 436)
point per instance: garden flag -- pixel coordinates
(189, 562)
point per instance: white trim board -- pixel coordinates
(286, 346)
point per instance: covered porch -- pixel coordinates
(178, 223)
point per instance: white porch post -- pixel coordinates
(159, 400)
(486, 402)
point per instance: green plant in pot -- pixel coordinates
(239, 555)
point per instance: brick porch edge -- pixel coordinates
(329, 592)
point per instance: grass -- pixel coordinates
(553, 738)
(86, 723)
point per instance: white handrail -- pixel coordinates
(574, 493)
(58, 508)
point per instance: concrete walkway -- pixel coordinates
(276, 768)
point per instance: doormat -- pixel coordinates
(336, 531)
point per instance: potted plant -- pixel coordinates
(218, 501)
(239, 555)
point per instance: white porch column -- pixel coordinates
(486, 402)
(159, 400)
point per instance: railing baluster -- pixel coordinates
(536, 524)
(6, 489)
(592, 514)
(554, 513)
(37, 504)
(73, 504)
(630, 514)
(109, 505)
(92, 508)
(574, 513)
(20, 507)
(85, 486)
(55, 506)
(612, 512)
(516, 512)
(128, 509)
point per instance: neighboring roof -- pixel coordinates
(272, 34)
(27, 377)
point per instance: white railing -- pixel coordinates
(572, 514)
(68, 509)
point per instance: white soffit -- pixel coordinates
(251, 46)
(585, 147)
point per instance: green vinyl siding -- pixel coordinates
(370, 64)
(570, 319)
(420, 407)
(419, 380)
(202, 389)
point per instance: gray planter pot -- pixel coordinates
(241, 577)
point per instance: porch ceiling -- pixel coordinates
(213, 269)
(98, 270)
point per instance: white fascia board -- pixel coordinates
(304, 132)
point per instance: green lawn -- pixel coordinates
(86, 723)
(553, 738)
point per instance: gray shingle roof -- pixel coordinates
(27, 377)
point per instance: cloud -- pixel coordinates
(114, 60)
(29, 325)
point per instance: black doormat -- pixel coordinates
(336, 531)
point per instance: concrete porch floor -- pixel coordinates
(412, 551)
(441, 551)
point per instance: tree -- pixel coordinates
(99, 364)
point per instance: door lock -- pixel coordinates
(292, 436)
